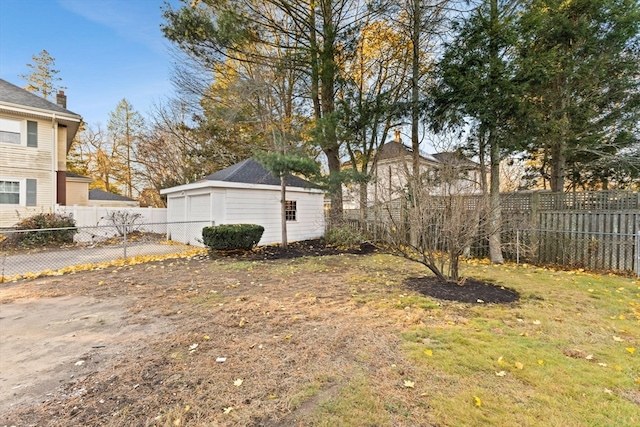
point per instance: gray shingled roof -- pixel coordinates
(250, 171)
(13, 94)
(394, 149)
(96, 194)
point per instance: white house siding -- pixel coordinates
(244, 206)
(19, 162)
(253, 206)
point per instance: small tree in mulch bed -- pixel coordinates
(437, 220)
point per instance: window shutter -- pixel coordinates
(32, 134)
(31, 192)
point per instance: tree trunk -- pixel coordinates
(283, 211)
(495, 212)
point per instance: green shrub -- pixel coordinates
(344, 236)
(230, 237)
(64, 224)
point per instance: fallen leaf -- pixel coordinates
(606, 390)
(238, 382)
(409, 383)
(186, 408)
(519, 365)
(428, 352)
(617, 339)
(477, 401)
(288, 336)
(631, 350)
(536, 322)
(540, 362)
(501, 374)
(207, 337)
(500, 361)
(589, 357)
(193, 347)
(227, 410)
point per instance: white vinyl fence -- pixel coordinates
(149, 220)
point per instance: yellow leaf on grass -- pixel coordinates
(618, 368)
(477, 401)
(428, 352)
(540, 362)
(631, 350)
(500, 361)
(519, 365)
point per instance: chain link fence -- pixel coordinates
(26, 253)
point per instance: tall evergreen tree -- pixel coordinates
(43, 78)
(475, 86)
(580, 60)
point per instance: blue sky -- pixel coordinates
(105, 50)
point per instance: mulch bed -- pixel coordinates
(315, 247)
(472, 291)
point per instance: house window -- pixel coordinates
(10, 131)
(18, 192)
(290, 210)
(10, 192)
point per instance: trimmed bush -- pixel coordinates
(232, 237)
(65, 223)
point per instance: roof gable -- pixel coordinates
(250, 171)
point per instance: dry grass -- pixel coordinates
(339, 340)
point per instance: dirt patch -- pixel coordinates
(179, 334)
(47, 342)
(472, 291)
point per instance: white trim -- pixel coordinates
(40, 111)
(224, 184)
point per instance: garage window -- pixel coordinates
(290, 210)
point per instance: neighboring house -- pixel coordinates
(78, 189)
(35, 137)
(245, 193)
(394, 165)
(78, 194)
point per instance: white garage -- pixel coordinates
(245, 193)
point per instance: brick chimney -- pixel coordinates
(61, 99)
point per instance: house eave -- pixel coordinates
(237, 185)
(71, 121)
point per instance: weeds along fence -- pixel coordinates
(595, 230)
(29, 253)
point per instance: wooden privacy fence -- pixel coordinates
(595, 230)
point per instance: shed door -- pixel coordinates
(199, 216)
(176, 226)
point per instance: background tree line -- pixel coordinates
(553, 83)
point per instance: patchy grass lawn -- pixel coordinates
(342, 341)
